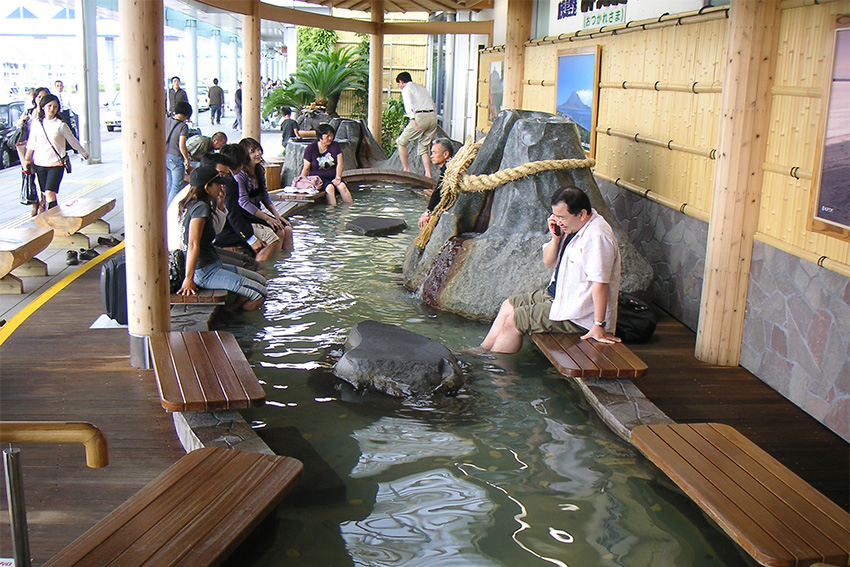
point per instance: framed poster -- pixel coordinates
(577, 92)
(832, 186)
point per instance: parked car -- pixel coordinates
(203, 99)
(10, 112)
(111, 113)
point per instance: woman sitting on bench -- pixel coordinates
(203, 266)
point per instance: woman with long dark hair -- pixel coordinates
(203, 265)
(274, 230)
(46, 148)
(324, 158)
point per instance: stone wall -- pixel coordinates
(797, 334)
(797, 324)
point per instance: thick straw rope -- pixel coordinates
(455, 180)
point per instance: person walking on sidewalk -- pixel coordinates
(216, 96)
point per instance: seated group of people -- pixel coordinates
(223, 207)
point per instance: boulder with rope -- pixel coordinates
(484, 241)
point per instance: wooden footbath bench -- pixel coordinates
(68, 218)
(773, 514)
(18, 247)
(203, 371)
(194, 514)
(589, 359)
(208, 296)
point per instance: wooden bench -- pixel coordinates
(70, 217)
(203, 371)
(207, 296)
(194, 514)
(589, 359)
(18, 247)
(778, 518)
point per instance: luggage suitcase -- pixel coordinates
(113, 288)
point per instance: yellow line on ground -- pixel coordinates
(22, 315)
(98, 183)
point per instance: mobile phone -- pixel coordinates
(556, 229)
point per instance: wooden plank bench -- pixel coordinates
(203, 371)
(193, 514)
(206, 296)
(70, 217)
(589, 359)
(18, 247)
(778, 518)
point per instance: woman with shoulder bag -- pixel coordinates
(46, 148)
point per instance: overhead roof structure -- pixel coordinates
(408, 5)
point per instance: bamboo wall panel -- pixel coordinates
(482, 124)
(794, 136)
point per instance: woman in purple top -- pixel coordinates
(324, 158)
(270, 227)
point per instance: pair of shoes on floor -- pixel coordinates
(108, 241)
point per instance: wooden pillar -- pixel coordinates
(745, 113)
(517, 32)
(251, 73)
(143, 140)
(376, 69)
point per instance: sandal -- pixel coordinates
(88, 254)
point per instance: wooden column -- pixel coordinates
(143, 140)
(251, 72)
(517, 32)
(376, 69)
(745, 114)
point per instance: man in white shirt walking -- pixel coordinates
(419, 107)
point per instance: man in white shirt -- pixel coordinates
(582, 294)
(419, 107)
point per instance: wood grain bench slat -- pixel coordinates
(203, 371)
(193, 514)
(71, 216)
(578, 358)
(774, 515)
(217, 296)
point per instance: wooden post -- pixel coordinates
(251, 72)
(745, 115)
(517, 32)
(376, 69)
(143, 140)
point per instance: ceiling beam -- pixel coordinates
(301, 18)
(437, 28)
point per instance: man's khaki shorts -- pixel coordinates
(531, 315)
(427, 122)
(265, 233)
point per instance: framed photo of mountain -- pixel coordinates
(831, 197)
(577, 92)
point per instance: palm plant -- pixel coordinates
(286, 95)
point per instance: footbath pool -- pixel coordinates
(516, 470)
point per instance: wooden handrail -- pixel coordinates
(97, 452)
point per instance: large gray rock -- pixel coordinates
(488, 247)
(393, 360)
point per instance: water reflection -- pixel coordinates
(394, 441)
(426, 519)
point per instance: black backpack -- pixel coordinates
(635, 319)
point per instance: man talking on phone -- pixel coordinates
(582, 294)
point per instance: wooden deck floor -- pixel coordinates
(689, 391)
(53, 367)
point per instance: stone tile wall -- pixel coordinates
(797, 323)
(797, 334)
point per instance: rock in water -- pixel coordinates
(390, 359)
(376, 226)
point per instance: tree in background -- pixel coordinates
(312, 40)
(393, 121)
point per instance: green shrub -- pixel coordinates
(393, 121)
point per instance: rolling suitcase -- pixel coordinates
(113, 288)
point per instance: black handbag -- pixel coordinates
(635, 319)
(22, 134)
(29, 193)
(176, 270)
